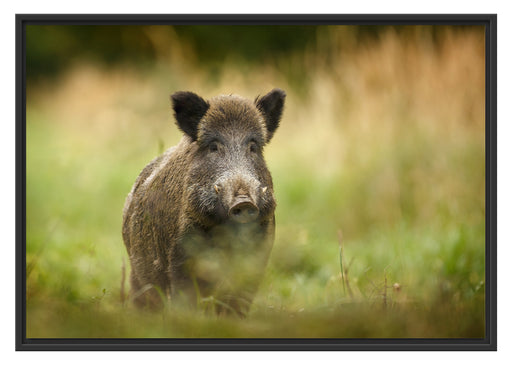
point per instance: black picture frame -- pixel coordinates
(489, 343)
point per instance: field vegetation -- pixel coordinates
(378, 168)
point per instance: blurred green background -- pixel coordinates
(381, 152)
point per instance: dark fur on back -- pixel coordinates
(178, 226)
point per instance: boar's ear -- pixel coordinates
(189, 108)
(271, 105)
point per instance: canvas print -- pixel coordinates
(255, 181)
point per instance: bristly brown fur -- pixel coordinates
(177, 223)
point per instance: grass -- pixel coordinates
(385, 143)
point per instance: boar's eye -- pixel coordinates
(213, 146)
(253, 147)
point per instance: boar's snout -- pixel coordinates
(240, 196)
(243, 210)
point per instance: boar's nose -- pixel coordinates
(243, 210)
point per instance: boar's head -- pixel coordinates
(228, 181)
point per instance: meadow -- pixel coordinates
(379, 176)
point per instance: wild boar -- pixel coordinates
(199, 221)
